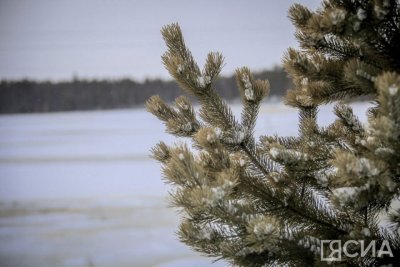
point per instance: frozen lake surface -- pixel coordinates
(79, 188)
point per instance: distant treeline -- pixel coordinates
(33, 96)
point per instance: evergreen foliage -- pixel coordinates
(270, 202)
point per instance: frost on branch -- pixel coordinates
(361, 14)
(248, 91)
(393, 89)
(337, 16)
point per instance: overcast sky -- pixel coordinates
(57, 39)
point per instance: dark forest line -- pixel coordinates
(32, 96)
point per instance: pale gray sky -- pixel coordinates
(56, 39)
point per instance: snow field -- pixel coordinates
(79, 188)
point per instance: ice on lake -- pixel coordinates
(79, 188)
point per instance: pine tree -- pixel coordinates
(271, 202)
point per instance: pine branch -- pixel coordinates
(271, 202)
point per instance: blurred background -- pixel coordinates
(77, 185)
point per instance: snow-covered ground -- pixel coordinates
(79, 188)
